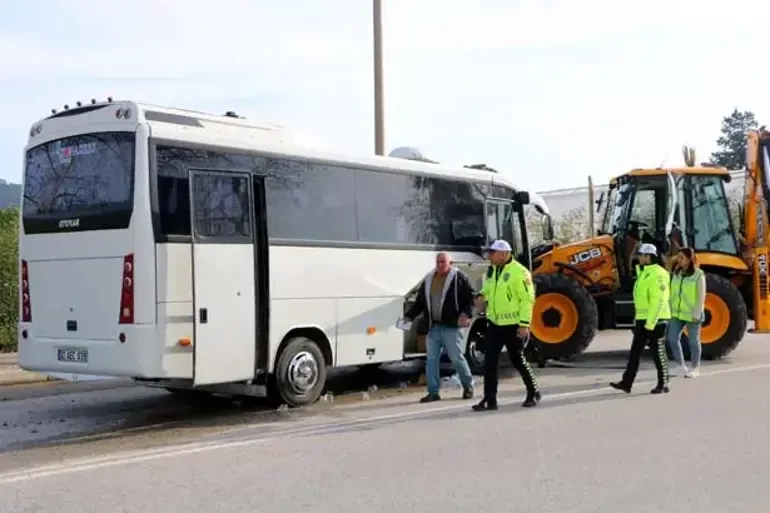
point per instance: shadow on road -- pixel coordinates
(93, 412)
(112, 415)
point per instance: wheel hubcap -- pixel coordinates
(552, 318)
(303, 372)
(474, 354)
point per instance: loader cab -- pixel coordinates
(671, 209)
(641, 208)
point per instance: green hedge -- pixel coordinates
(9, 278)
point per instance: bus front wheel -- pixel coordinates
(300, 373)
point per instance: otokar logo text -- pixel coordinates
(69, 223)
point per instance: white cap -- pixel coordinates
(500, 245)
(647, 249)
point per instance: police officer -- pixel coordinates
(509, 296)
(652, 312)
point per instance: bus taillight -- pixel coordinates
(127, 291)
(26, 302)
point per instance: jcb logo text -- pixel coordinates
(585, 256)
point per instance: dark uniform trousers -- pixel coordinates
(496, 338)
(653, 339)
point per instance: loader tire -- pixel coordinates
(565, 317)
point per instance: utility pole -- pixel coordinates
(379, 111)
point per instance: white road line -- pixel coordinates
(125, 458)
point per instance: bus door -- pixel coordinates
(223, 273)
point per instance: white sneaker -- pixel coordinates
(692, 374)
(682, 370)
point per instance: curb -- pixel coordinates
(19, 376)
(36, 380)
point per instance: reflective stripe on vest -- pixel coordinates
(503, 306)
(651, 294)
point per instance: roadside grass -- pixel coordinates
(8, 338)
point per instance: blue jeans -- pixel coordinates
(450, 338)
(675, 328)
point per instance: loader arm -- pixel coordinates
(755, 223)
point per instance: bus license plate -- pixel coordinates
(67, 354)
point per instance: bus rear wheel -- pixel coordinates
(300, 373)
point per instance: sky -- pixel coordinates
(546, 91)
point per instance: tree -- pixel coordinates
(569, 227)
(688, 152)
(572, 226)
(535, 225)
(9, 278)
(732, 142)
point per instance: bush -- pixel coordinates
(9, 278)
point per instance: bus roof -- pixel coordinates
(235, 132)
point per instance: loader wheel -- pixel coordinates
(565, 317)
(726, 319)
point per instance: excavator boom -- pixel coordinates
(755, 220)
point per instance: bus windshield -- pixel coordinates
(79, 183)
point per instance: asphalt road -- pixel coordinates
(585, 449)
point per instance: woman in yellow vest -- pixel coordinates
(652, 312)
(688, 295)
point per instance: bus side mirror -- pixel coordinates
(522, 197)
(548, 228)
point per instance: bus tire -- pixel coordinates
(726, 320)
(474, 346)
(565, 317)
(300, 373)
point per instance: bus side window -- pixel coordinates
(174, 188)
(174, 204)
(222, 207)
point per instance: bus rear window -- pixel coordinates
(79, 183)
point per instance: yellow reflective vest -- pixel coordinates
(651, 295)
(510, 294)
(686, 301)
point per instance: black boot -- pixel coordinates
(532, 400)
(619, 385)
(430, 398)
(660, 389)
(485, 405)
